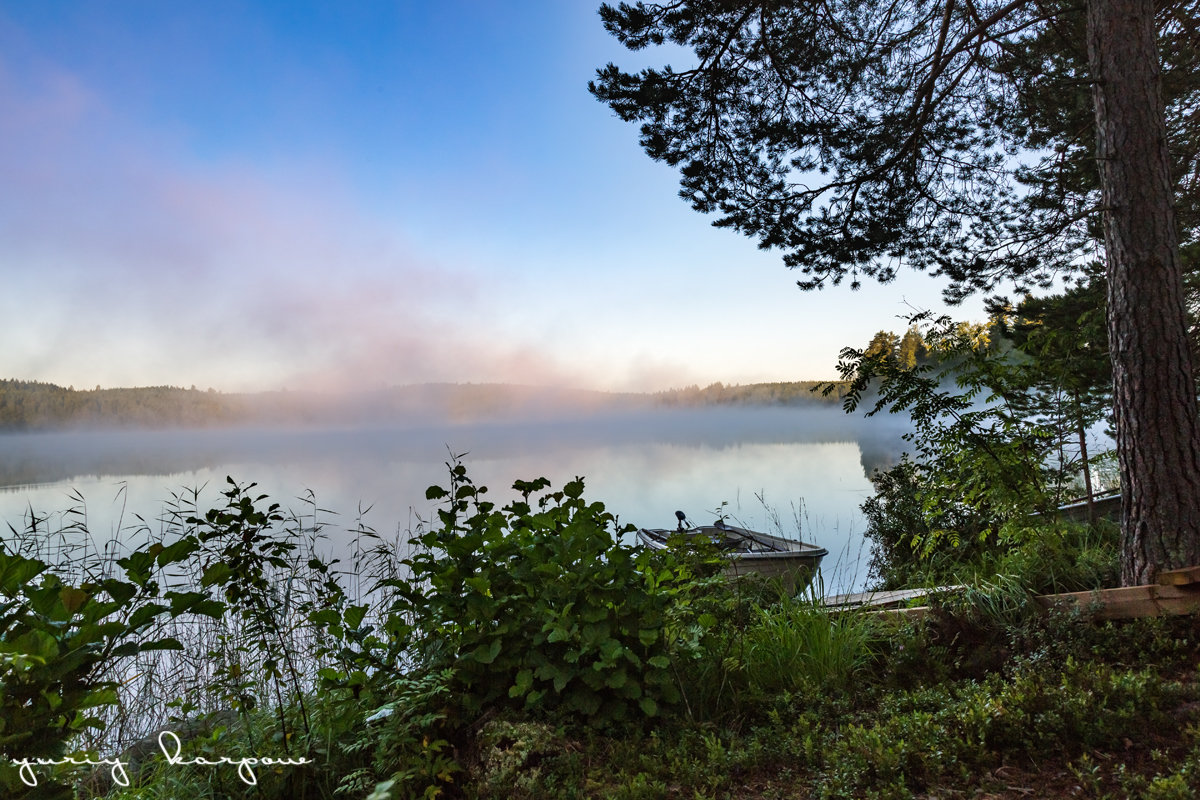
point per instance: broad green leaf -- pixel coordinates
(73, 598)
(216, 573)
(354, 615)
(486, 654)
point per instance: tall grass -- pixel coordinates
(220, 665)
(799, 645)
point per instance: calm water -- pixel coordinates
(802, 472)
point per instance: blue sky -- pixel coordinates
(256, 195)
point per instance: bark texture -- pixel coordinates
(1158, 435)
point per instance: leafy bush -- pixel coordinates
(902, 518)
(545, 610)
(991, 425)
(1048, 555)
(59, 644)
(241, 550)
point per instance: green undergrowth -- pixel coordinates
(529, 651)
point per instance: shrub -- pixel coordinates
(59, 643)
(545, 610)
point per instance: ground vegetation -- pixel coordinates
(531, 651)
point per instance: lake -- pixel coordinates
(802, 472)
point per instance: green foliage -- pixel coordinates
(926, 736)
(943, 737)
(798, 646)
(60, 642)
(992, 425)
(1061, 556)
(978, 461)
(240, 546)
(510, 756)
(899, 520)
(539, 607)
(409, 758)
(33, 405)
(790, 393)
(407, 694)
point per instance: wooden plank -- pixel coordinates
(1177, 592)
(909, 612)
(1179, 577)
(1129, 602)
(888, 599)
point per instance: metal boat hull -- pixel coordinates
(790, 562)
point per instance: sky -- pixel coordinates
(261, 195)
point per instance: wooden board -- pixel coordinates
(1177, 592)
(889, 599)
(1179, 577)
(1130, 602)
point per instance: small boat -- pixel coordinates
(793, 563)
(1107, 506)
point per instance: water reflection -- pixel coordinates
(803, 472)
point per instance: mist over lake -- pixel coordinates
(801, 471)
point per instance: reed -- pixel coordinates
(220, 664)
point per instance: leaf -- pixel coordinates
(38, 644)
(125, 650)
(486, 654)
(216, 573)
(73, 598)
(648, 706)
(16, 572)
(354, 615)
(177, 552)
(479, 583)
(146, 614)
(383, 791)
(523, 683)
(169, 643)
(213, 609)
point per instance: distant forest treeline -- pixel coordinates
(33, 405)
(788, 393)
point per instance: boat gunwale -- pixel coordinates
(782, 548)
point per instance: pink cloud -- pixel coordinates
(151, 266)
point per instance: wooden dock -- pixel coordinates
(885, 600)
(1175, 592)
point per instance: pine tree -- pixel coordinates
(858, 138)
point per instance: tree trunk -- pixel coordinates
(1158, 435)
